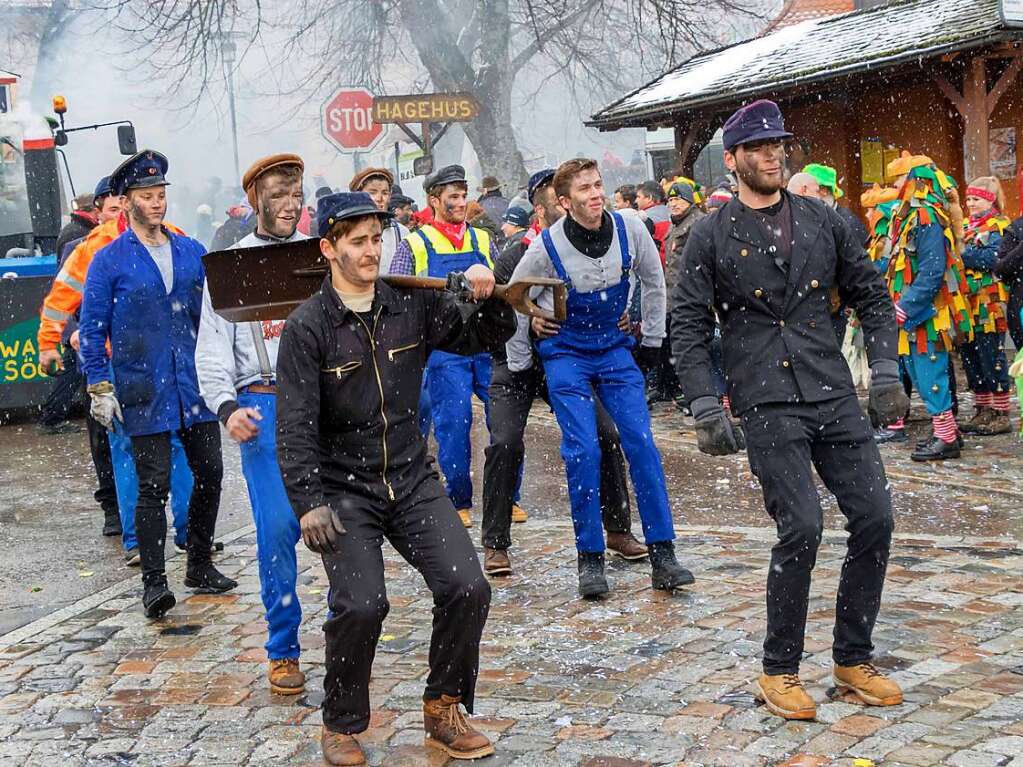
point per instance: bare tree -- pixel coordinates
(464, 45)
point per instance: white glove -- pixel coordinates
(105, 407)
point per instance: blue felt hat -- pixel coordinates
(758, 121)
(102, 188)
(537, 180)
(147, 168)
(336, 207)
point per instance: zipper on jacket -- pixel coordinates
(347, 367)
(380, 386)
(407, 347)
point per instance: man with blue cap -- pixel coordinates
(448, 244)
(765, 266)
(236, 365)
(517, 381)
(356, 469)
(589, 358)
(143, 296)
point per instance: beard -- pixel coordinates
(758, 182)
(141, 216)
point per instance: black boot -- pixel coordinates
(592, 582)
(936, 450)
(960, 442)
(206, 579)
(666, 573)
(111, 523)
(157, 599)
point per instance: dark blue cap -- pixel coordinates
(341, 205)
(102, 188)
(397, 200)
(758, 121)
(449, 174)
(537, 180)
(147, 168)
(516, 216)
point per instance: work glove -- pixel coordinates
(715, 432)
(322, 530)
(104, 406)
(888, 401)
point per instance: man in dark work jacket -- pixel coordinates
(766, 264)
(356, 469)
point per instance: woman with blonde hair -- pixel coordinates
(987, 370)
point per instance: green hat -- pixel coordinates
(825, 176)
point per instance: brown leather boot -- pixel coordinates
(496, 562)
(626, 546)
(783, 694)
(868, 684)
(340, 749)
(997, 423)
(448, 730)
(980, 418)
(286, 678)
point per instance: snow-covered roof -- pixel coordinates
(814, 50)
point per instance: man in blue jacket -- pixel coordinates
(143, 295)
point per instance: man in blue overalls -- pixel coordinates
(594, 252)
(143, 294)
(237, 366)
(448, 245)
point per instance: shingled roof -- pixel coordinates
(816, 50)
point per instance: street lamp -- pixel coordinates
(229, 52)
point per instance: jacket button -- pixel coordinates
(814, 284)
(758, 292)
(812, 323)
(744, 252)
(781, 322)
(934, 358)
(935, 388)
(784, 363)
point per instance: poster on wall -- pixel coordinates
(1002, 150)
(872, 161)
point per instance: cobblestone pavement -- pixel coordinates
(643, 678)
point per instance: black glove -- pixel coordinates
(322, 530)
(649, 358)
(888, 401)
(715, 432)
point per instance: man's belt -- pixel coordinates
(261, 388)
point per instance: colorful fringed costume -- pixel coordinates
(927, 282)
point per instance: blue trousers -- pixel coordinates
(984, 361)
(127, 484)
(277, 530)
(452, 380)
(572, 380)
(929, 374)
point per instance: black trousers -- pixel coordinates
(425, 529)
(67, 392)
(152, 453)
(511, 398)
(783, 441)
(99, 446)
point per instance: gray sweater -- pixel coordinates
(592, 274)
(225, 353)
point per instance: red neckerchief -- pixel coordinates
(531, 233)
(454, 232)
(977, 223)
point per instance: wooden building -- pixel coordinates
(937, 77)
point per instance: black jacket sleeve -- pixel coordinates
(299, 361)
(691, 304)
(463, 328)
(1009, 266)
(861, 287)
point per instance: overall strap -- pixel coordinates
(431, 253)
(473, 240)
(552, 254)
(623, 243)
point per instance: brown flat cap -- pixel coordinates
(364, 175)
(261, 166)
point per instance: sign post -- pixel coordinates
(427, 109)
(347, 121)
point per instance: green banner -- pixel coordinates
(19, 357)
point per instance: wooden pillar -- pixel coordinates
(975, 106)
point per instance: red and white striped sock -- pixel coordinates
(726, 403)
(945, 427)
(983, 399)
(1000, 401)
(898, 425)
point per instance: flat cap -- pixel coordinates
(341, 205)
(359, 179)
(449, 174)
(261, 166)
(758, 121)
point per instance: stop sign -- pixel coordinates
(347, 120)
